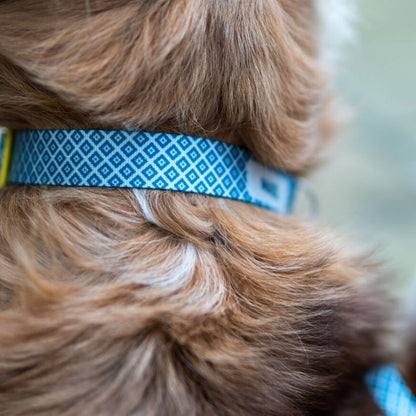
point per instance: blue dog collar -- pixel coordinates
(391, 392)
(145, 160)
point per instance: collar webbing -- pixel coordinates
(391, 392)
(146, 160)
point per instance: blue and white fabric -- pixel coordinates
(391, 392)
(137, 159)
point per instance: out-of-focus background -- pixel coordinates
(368, 189)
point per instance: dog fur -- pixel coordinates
(118, 302)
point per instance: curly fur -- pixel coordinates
(161, 303)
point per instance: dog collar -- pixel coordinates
(145, 160)
(391, 392)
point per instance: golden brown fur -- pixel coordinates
(159, 303)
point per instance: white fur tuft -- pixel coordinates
(140, 195)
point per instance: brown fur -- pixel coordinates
(408, 357)
(102, 310)
(409, 363)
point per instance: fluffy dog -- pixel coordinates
(118, 302)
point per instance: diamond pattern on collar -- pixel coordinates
(127, 159)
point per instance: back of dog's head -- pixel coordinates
(244, 72)
(161, 303)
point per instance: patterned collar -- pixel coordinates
(391, 392)
(146, 160)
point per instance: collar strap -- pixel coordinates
(391, 392)
(145, 160)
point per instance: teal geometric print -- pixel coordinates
(146, 160)
(391, 392)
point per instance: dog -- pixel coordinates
(151, 302)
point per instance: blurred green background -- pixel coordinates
(368, 189)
